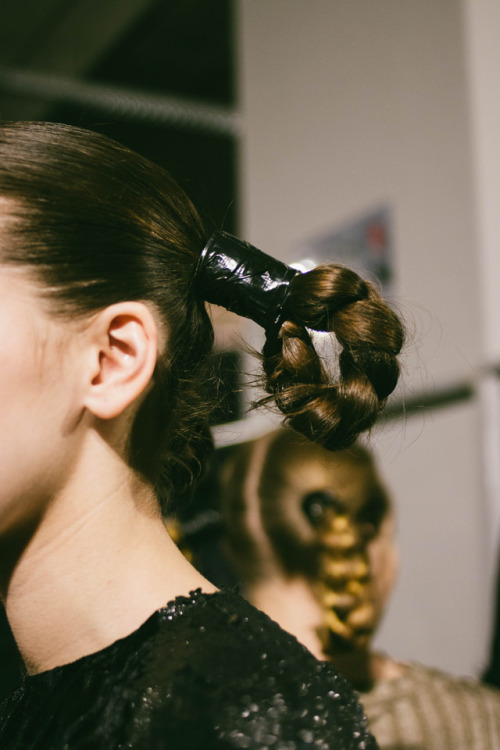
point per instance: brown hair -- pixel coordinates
(333, 411)
(97, 223)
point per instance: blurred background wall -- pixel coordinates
(352, 105)
(288, 121)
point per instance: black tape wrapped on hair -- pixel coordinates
(236, 275)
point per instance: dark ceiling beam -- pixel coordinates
(61, 36)
(23, 24)
(85, 30)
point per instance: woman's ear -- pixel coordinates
(122, 357)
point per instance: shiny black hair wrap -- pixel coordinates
(236, 275)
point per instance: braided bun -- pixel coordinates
(333, 411)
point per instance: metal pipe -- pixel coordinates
(124, 103)
(259, 423)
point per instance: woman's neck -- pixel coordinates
(291, 603)
(98, 564)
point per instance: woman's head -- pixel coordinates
(94, 224)
(293, 509)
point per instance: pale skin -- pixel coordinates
(84, 555)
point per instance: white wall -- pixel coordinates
(347, 105)
(482, 28)
(438, 613)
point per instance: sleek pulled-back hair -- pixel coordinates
(98, 224)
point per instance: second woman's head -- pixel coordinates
(295, 511)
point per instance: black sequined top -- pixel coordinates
(206, 671)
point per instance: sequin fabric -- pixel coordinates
(206, 671)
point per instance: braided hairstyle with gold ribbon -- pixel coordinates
(292, 509)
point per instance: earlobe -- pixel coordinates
(124, 345)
